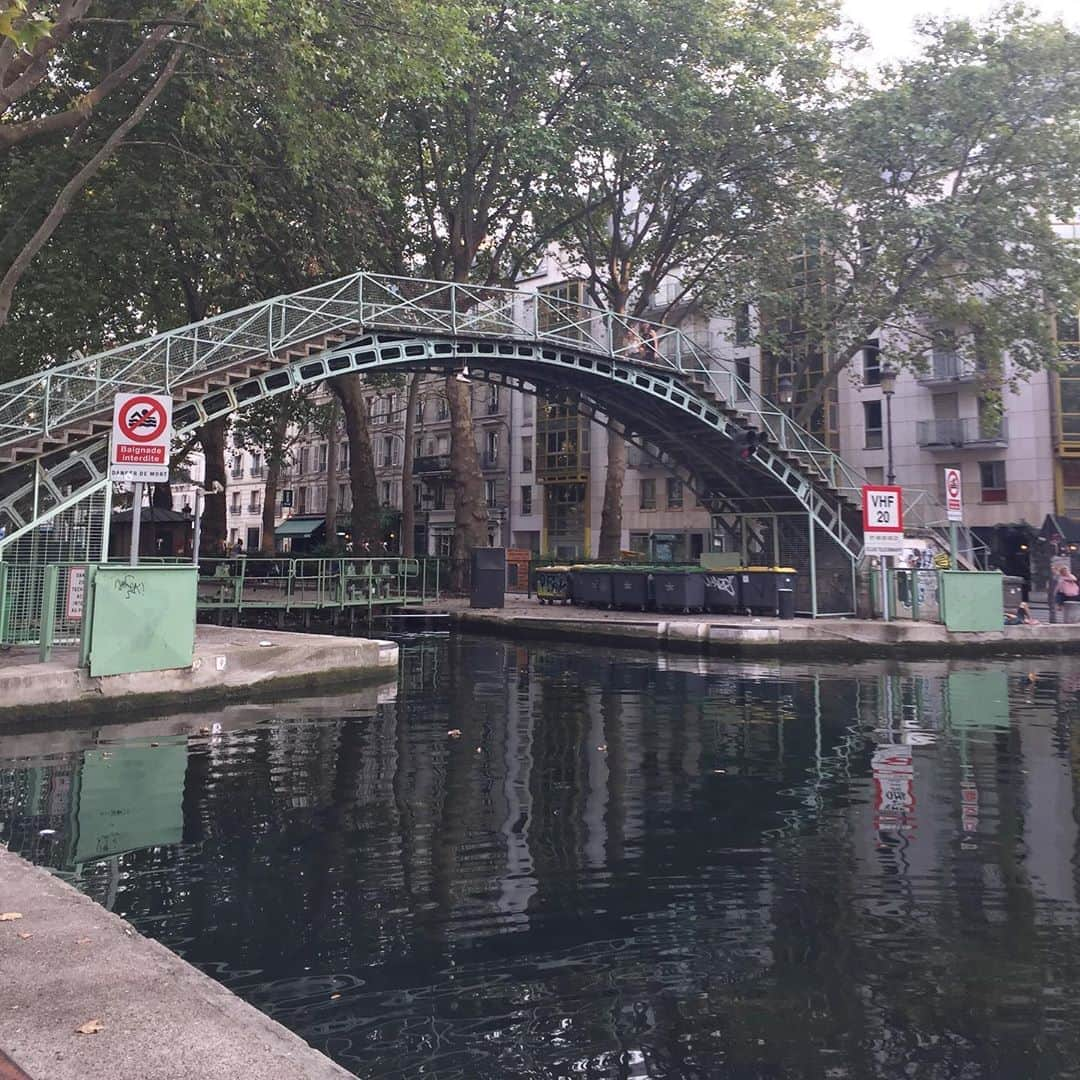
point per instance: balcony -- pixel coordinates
(431, 465)
(950, 369)
(956, 434)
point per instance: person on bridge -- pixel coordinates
(650, 344)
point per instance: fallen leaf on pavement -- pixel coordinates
(24, 937)
(82, 941)
(91, 1027)
(10, 916)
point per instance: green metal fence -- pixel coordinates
(41, 605)
(250, 584)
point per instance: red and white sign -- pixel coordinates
(883, 520)
(954, 498)
(142, 432)
(894, 788)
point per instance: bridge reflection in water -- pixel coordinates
(621, 866)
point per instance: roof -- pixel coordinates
(297, 526)
(155, 515)
(1066, 528)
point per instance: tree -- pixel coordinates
(469, 157)
(685, 159)
(933, 208)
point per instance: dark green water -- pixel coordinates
(625, 866)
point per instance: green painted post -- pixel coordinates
(3, 602)
(913, 588)
(47, 627)
(954, 546)
(813, 567)
(86, 631)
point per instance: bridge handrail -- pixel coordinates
(83, 387)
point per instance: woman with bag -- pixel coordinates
(1065, 585)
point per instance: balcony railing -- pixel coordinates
(431, 464)
(950, 368)
(969, 431)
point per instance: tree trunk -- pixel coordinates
(611, 514)
(212, 435)
(366, 513)
(331, 476)
(275, 463)
(408, 509)
(470, 507)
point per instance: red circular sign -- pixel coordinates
(142, 419)
(954, 484)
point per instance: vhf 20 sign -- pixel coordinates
(883, 520)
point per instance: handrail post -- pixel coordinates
(453, 307)
(47, 624)
(46, 392)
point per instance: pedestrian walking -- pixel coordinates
(1063, 586)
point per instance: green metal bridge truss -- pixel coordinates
(680, 404)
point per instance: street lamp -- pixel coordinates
(888, 388)
(785, 391)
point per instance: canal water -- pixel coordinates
(561, 862)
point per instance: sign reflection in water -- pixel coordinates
(625, 866)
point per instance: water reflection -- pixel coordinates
(623, 866)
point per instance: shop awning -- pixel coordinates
(300, 527)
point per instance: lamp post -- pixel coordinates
(888, 388)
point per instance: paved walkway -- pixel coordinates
(229, 662)
(67, 964)
(737, 635)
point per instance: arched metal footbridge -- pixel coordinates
(678, 402)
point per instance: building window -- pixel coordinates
(526, 499)
(742, 372)
(493, 400)
(324, 453)
(343, 455)
(871, 363)
(305, 459)
(344, 497)
(875, 475)
(491, 448)
(301, 500)
(742, 324)
(526, 407)
(442, 409)
(388, 451)
(647, 493)
(235, 508)
(237, 466)
(560, 309)
(438, 494)
(526, 454)
(255, 501)
(490, 491)
(872, 424)
(992, 479)
(386, 493)
(256, 465)
(417, 496)
(674, 493)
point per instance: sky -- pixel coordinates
(888, 22)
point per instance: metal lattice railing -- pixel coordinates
(41, 405)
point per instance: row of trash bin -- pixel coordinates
(759, 589)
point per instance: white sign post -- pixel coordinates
(954, 509)
(139, 449)
(883, 530)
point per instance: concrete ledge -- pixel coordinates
(229, 663)
(735, 637)
(68, 961)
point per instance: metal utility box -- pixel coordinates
(971, 600)
(488, 578)
(141, 618)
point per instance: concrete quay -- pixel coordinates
(738, 636)
(67, 962)
(229, 663)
